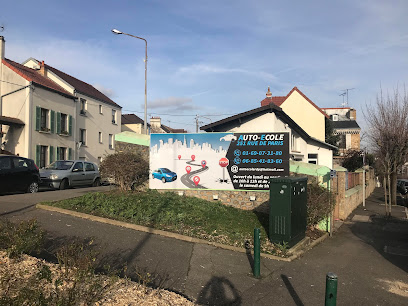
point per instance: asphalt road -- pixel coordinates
(187, 180)
(369, 274)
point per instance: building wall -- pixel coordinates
(57, 103)
(16, 105)
(324, 156)
(94, 122)
(355, 141)
(305, 115)
(136, 128)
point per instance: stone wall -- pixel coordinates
(133, 148)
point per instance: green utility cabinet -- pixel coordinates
(287, 209)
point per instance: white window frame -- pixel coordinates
(100, 137)
(111, 143)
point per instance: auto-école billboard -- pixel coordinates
(218, 161)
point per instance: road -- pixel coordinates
(368, 253)
(187, 180)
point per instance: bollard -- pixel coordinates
(257, 252)
(331, 289)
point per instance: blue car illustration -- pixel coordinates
(165, 175)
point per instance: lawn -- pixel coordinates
(168, 211)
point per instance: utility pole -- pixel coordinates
(364, 178)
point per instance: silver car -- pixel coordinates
(62, 174)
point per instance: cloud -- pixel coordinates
(173, 104)
(105, 90)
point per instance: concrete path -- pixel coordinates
(368, 257)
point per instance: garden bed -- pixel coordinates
(188, 216)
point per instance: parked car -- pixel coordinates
(62, 174)
(18, 174)
(402, 186)
(165, 175)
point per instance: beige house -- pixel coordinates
(345, 125)
(46, 114)
(132, 123)
(302, 110)
(271, 118)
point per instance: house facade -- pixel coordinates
(344, 121)
(47, 115)
(302, 110)
(271, 118)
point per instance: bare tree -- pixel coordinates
(388, 136)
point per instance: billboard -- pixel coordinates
(218, 161)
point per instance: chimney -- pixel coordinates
(2, 47)
(155, 122)
(269, 94)
(42, 70)
(352, 114)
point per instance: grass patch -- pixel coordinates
(168, 211)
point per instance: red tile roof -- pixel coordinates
(82, 87)
(278, 100)
(35, 77)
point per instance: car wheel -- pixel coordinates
(33, 187)
(64, 184)
(152, 176)
(97, 182)
(163, 180)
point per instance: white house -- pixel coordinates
(271, 118)
(46, 114)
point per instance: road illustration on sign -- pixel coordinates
(188, 178)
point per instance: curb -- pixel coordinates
(174, 235)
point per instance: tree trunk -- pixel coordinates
(385, 196)
(394, 187)
(389, 195)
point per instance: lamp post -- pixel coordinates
(115, 31)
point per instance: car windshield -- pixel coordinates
(165, 170)
(60, 165)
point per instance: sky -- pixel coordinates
(216, 58)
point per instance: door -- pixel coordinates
(90, 173)
(21, 173)
(78, 174)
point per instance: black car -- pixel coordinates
(18, 174)
(402, 186)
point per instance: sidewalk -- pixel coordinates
(359, 253)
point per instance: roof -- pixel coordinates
(278, 100)
(336, 108)
(33, 76)
(132, 119)
(168, 129)
(269, 108)
(348, 124)
(10, 121)
(82, 87)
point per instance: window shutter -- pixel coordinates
(58, 123)
(69, 153)
(37, 155)
(70, 125)
(58, 153)
(51, 154)
(37, 118)
(52, 127)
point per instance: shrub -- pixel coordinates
(128, 170)
(16, 239)
(320, 203)
(352, 160)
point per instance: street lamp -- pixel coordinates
(115, 31)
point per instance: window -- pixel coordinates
(99, 159)
(20, 163)
(61, 153)
(100, 109)
(44, 120)
(110, 141)
(64, 125)
(342, 141)
(312, 159)
(5, 163)
(89, 167)
(294, 142)
(43, 156)
(79, 166)
(100, 137)
(82, 136)
(113, 116)
(83, 107)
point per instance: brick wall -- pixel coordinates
(355, 141)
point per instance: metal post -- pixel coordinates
(364, 196)
(331, 289)
(257, 252)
